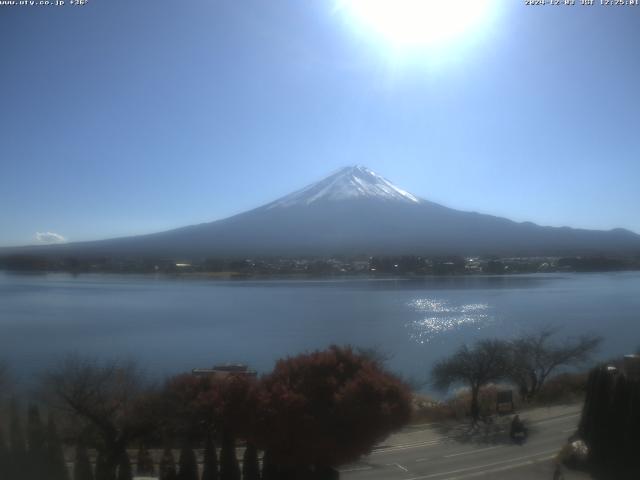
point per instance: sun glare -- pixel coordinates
(418, 23)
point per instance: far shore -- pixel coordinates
(239, 276)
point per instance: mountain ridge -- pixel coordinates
(354, 211)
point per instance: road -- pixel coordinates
(438, 452)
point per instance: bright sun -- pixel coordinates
(418, 23)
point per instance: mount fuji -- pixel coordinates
(355, 211)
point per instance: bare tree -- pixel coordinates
(382, 357)
(376, 354)
(483, 363)
(535, 356)
(109, 403)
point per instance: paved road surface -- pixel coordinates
(436, 452)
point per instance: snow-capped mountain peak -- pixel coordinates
(355, 182)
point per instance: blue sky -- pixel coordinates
(124, 117)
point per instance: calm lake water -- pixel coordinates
(174, 325)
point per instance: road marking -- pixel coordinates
(401, 467)
(470, 452)
(441, 440)
(475, 467)
(406, 446)
(502, 469)
(356, 469)
(421, 425)
(429, 443)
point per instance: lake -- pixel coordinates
(175, 324)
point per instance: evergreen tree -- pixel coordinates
(37, 448)
(4, 456)
(124, 468)
(82, 468)
(250, 465)
(17, 449)
(229, 468)
(145, 467)
(56, 463)
(167, 468)
(16, 436)
(210, 466)
(610, 422)
(102, 468)
(188, 464)
(269, 469)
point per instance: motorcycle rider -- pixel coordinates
(517, 429)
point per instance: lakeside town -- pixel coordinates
(329, 265)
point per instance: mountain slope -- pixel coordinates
(355, 211)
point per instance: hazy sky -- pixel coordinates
(125, 117)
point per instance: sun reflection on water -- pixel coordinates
(441, 317)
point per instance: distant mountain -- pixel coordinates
(355, 211)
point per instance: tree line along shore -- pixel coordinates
(321, 266)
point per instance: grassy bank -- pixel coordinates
(562, 389)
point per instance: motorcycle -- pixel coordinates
(518, 431)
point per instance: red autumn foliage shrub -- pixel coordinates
(328, 408)
(188, 411)
(198, 404)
